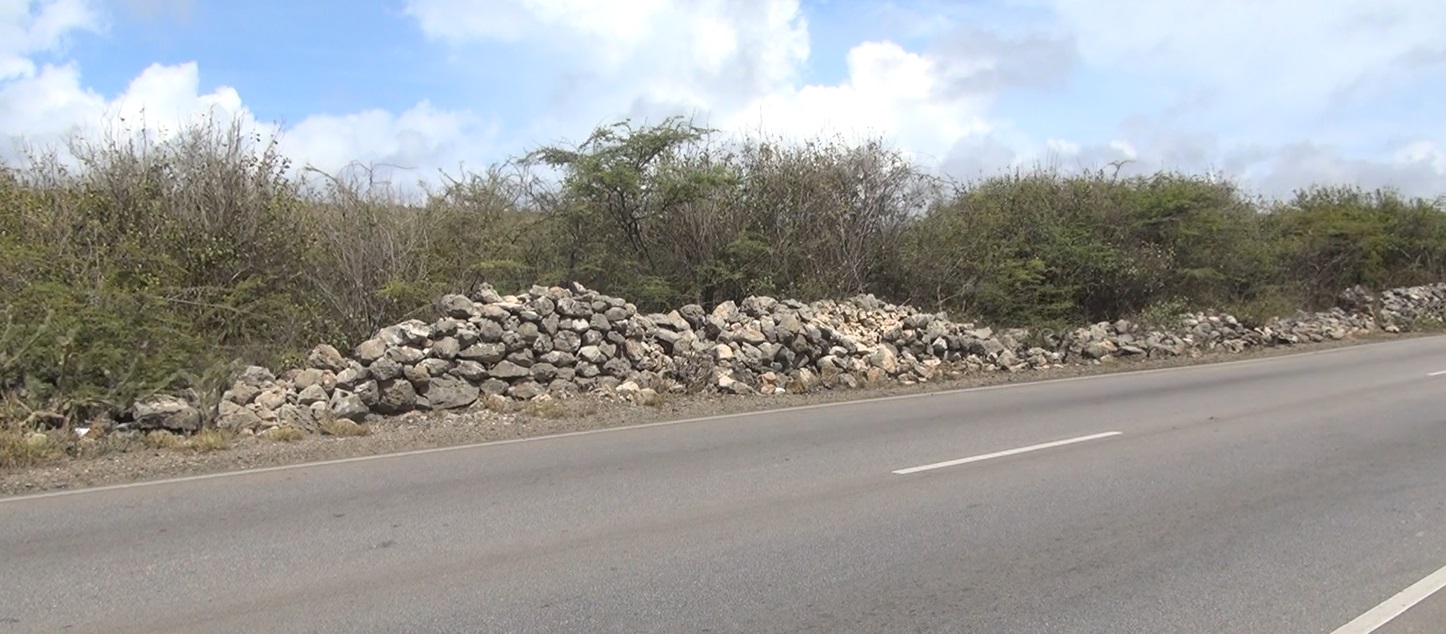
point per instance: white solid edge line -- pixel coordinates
(1200, 367)
(1395, 606)
(1441, 373)
(1007, 452)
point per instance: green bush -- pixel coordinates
(156, 264)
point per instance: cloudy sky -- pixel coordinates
(1280, 93)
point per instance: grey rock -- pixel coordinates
(451, 393)
(348, 405)
(522, 358)
(312, 394)
(509, 370)
(526, 390)
(369, 351)
(369, 392)
(166, 412)
(544, 372)
(396, 397)
(458, 306)
(406, 355)
(385, 369)
(436, 367)
(495, 312)
(417, 375)
(558, 358)
(233, 417)
(487, 295)
(446, 348)
(592, 354)
(489, 331)
(487, 353)
(567, 341)
(325, 357)
(470, 371)
(528, 332)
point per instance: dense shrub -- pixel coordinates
(154, 262)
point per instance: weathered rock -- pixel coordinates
(312, 394)
(457, 306)
(396, 396)
(385, 369)
(526, 390)
(451, 393)
(509, 370)
(446, 348)
(369, 392)
(166, 412)
(485, 353)
(233, 417)
(348, 405)
(493, 387)
(256, 377)
(325, 357)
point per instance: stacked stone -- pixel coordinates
(553, 342)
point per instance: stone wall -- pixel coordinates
(560, 343)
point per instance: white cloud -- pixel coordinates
(418, 141)
(28, 28)
(889, 91)
(1266, 90)
(45, 106)
(737, 63)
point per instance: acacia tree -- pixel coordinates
(618, 192)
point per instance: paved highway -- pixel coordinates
(1294, 494)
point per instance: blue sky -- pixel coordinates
(1280, 93)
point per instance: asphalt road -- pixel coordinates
(1290, 494)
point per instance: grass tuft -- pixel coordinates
(285, 434)
(342, 427)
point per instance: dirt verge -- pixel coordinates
(141, 461)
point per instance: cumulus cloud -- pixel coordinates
(415, 142)
(739, 65)
(44, 106)
(28, 28)
(1281, 93)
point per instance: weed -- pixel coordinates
(163, 439)
(342, 427)
(208, 440)
(285, 434)
(547, 409)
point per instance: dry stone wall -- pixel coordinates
(563, 342)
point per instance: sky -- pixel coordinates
(1278, 94)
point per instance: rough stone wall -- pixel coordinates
(559, 343)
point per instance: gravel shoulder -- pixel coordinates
(478, 425)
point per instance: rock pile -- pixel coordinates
(553, 342)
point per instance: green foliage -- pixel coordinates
(165, 264)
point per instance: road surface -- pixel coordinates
(1293, 494)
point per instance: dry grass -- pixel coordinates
(499, 404)
(650, 398)
(204, 441)
(162, 439)
(19, 448)
(547, 409)
(208, 440)
(342, 427)
(285, 434)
